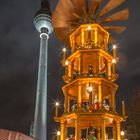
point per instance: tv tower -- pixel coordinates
(42, 22)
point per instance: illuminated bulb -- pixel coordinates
(57, 104)
(114, 46)
(90, 89)
(122, 133)
(114, 61)
(89, 27)
(58, 133)
(66, 63)
(64, 49)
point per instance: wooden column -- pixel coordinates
(99, 133)
(80, 64)
(66, 103)
(113, 101)
(100, 94)
(114, 130)
(97, 64)
(103, 130)
(96, 35)
(118, 125)
(63, 130)
(82, 36)
(79, 98)
(70, 70)
(109, 70)
(77, 129)
(68, 109)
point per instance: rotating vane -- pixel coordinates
(70, 14)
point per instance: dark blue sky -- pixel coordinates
(19, 50)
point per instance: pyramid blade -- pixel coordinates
(119, 16)
(66, 7)
(117, 29)
(63, 34)
(59, 20)
(94, 6)
(77, 6)
(110, 6)
(84, 6)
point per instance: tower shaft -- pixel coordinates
(41, 99)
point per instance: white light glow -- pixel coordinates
(114, 46)
(64, 50)
(114, 61)
(57, 103)
(66, 63)
(122, 133)
(58, 133)
(89, 27)
(90, 89)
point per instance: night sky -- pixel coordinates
(19, 52)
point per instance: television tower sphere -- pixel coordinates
(43, 18)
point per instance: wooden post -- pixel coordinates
(62, 127)
(79, 102)
(66, 103)
(103, 130)
(99, 133)
(100, 94)
(118, 130)
(77, 129)
(114, 130)
(109, 70)
(82, 36)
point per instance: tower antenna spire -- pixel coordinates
(45, 4)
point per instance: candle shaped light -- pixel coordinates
(123, 108)
(89, 32)
(115, 57)
(89, 90)
(122, 135)
(114, 65)
(56, 109)
(58, 135)
(64, 55)
(66, 67)
(114, 51)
